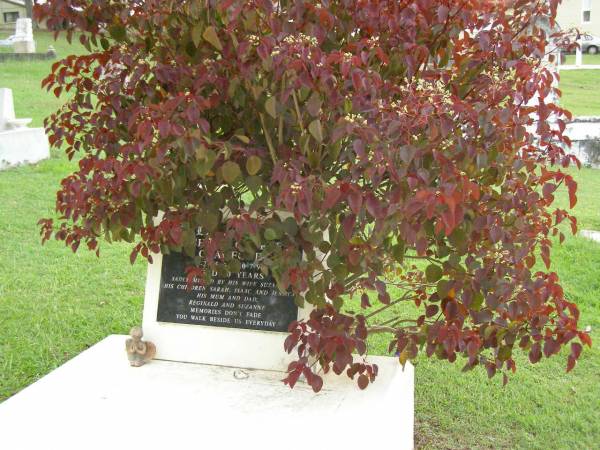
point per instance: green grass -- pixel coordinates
(542, 406)
(587, 59)
(25, 77)
(581, 91)
(54, 304)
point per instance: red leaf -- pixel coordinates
(363, 381)
(357, 80)
(348, 225)
(176, 233)
(332, 195)
(133, 256)
(576, 349)
(317, 383)
(355, 201)
(585, 338)
(535, 354)
(545, 251)
(372, 205)
(572, 188)
(364, 301)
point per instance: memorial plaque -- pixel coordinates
(247, 299)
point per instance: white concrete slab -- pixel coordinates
(19, 144)
(579, 67)
(23, 146)
(97, 401)
(591, 234)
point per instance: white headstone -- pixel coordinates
(18, 144)
(7, 109)
(8, 121)
(24, 42)
(579, 53)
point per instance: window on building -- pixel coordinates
(10, 17)
(586, 11)
(586, 16)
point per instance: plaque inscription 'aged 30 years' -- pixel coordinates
(247, 299)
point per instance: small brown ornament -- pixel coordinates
(138, 351)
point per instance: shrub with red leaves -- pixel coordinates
(384, 150)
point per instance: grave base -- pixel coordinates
(24, 46)
(23, 145)
(97, 401)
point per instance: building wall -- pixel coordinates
(570, 15)
(6, 7)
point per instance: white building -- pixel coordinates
(581, 14)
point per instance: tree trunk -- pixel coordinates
(29, 9)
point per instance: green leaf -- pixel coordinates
(205, 166)
(197, 34)
(290, 226)
(299, 301)
(340, 271)
(433, 273)
(243, 138)
(201, 151)
(231, 171)
(117, 32)
(254, 183)
(443, 288)
(458, 238)
(403, 358)
(347, 106)
(338, 302)
(316, 130)
(210, 35)
(253, 165)
(333, 260)
(234, 266)
(270, 234)
(209, 221)
(504, 353)
(398, 252)
(271, 107)
(477, 302)
(313, 106)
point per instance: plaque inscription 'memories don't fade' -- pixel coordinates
(247, 299)
(238, 321)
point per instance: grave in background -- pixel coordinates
(18, 143)
(24, 42)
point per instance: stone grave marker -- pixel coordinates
(24, 42)
(18, 143)
(233, 324)
(239, 321)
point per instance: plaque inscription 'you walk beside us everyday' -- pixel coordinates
(247, 299)
(239, 321)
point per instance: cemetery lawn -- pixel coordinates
(54, 304)
(587, 59)
(581, 91)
